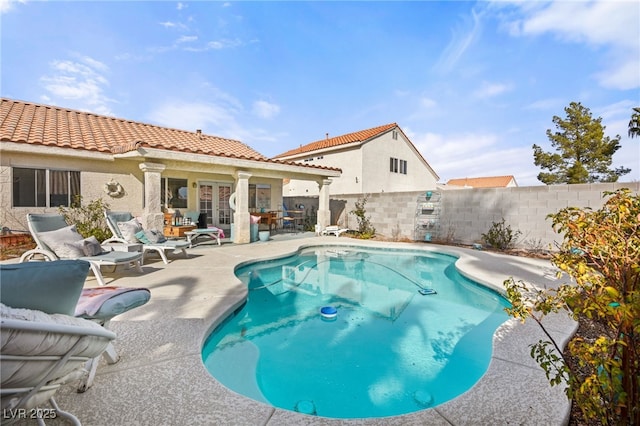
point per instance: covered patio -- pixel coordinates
(217, 180)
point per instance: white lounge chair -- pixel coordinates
(202, 230)
(38, 354)
(333, 230)
(127, 221)
(55, 239)
(56, 287)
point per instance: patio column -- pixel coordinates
(324, 211)
(242, 233)
(153, 218)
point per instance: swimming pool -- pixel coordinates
(389, 350)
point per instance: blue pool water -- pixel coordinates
(390, 350)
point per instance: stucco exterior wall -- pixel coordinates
(376, 175)
(94, 174)
(365, 169)
(91, 184)
(468, 213)
(348, 160)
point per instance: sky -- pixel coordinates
(472, 84)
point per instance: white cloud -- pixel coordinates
(221, 115)
(427, 103)
(489, 90)
(194, 115)
(187, 39)
(461, 41)
(8, 5)
(81, 80)
(612, 25)
(223, 44)
(264, 109)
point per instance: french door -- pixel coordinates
(213, 199)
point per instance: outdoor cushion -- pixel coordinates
(24, 373)
(150, 237)
(129, 230)
(65, 242)
(91, 246)
(51, 287)
(107, 302)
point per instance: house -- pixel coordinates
(484, 182)
(50, 154)
(380, 159)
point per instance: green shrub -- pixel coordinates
(89, 219)
(499, 236)
(601, 253)
(365, 229)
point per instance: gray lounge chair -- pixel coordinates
(56, 287)
(55, 239)
(113, 218)
(38, 354)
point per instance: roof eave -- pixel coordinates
(232, 162)
(27, 148)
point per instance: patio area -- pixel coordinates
(160, 378)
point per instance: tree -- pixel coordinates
(601, 253)
(583, 155)
(634, 123)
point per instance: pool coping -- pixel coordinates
(163, 373)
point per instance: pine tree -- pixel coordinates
(634, 123)
(583, 153)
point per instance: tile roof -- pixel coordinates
(360, 136)
(30, 123)
(483, 182)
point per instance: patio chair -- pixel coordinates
(56, 287)
(38, 354)
(127, 230)
(333, 230)
(55, 239)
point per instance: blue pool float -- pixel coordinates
(328, 312)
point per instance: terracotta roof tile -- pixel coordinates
(483, 182)
(359, 136)
(35, 124)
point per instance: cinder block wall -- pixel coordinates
(468, 213)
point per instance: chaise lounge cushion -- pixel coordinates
(31, 285)
(65, 242)
(129, 229)
(104, 303)
(21, 373)
(150, 237)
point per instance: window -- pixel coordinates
(260, 196)
(394, 134)
(393, 165)
(403, 167)
(397, 166)
(44, 187)
(175, 193)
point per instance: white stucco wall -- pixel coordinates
(91, 183)
(95, 173)
(365, 169)
(377, 176)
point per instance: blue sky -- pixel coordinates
(473, 84)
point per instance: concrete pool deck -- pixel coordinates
(161, 380)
